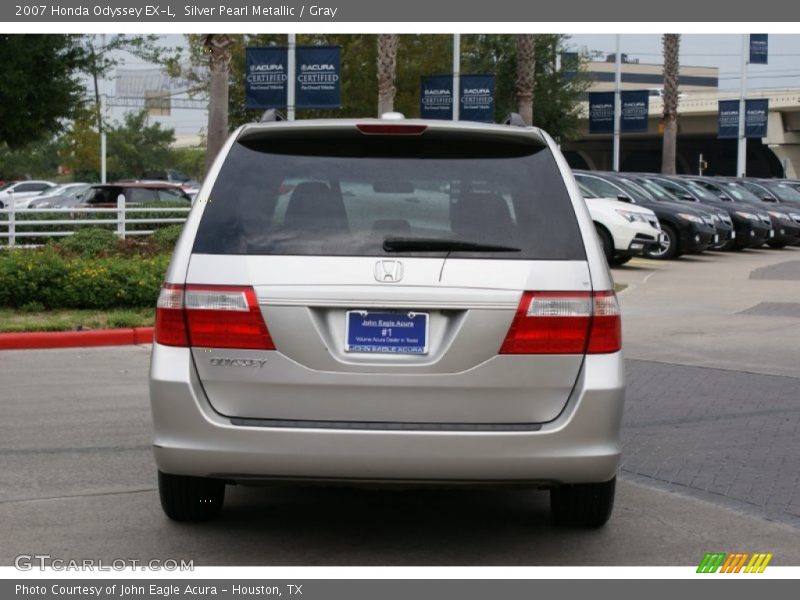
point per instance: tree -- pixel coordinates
(557, 109)
(526, 63)
(40, 85)
(190, 161)
(78, 146)
(218, 47)
(38, 160)
(558, 91)
(103, 54)
(134, 146)
(671, 44)
(387, 71)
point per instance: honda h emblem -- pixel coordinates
(389, 271)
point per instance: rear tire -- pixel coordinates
(777, 245)
(606, 243)
(620, 259)
(669, 248)
(186, 498)
(584, 504)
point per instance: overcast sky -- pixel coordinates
(714, 50)
(711, 50)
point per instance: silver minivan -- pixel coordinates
(388, 301)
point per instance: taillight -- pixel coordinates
(390, 129)
(170, 327)
(211, 316)
(606, 333)
(565, 323)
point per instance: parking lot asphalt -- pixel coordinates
(711, 455)
(699, 310)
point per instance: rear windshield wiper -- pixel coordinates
(399, 244)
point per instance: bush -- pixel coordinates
(90, 242)
(56, 281)
(166, 237)
(32, 307)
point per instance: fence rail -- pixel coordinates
(10, 221)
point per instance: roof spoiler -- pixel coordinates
(271, 116)
(514, 120)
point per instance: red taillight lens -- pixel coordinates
(606, 333)
(211, 316)
(564, 323)
(170, 327)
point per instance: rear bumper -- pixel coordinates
(581, 445)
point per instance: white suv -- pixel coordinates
(407, 302)
(625, 230)
(23, 192)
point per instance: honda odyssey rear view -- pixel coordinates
(388, 301)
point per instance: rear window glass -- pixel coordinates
(103, 195)
(346, 194)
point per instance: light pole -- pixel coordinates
(741, 150)
(617, 102)
(456, 76)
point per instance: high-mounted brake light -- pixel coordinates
(565, 323)
(390, 129)
(211, 316)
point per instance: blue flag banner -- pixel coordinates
(635, 110)
(601, 112)
(756, 114)
(759, 48)
(265, 77)
(477, 98)
(436, 97)
(318, 77)
(728, 119)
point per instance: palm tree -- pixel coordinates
(387, 67)
(671, 43)
(218, 47)
(526, 62)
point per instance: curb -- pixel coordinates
(76, 339)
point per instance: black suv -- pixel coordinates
(786, 230)
(752, 227)
(685, 230)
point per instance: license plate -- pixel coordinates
(716, 238)
(772, 233)
(733, 235)
(386, 332)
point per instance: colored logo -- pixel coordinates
(737, 562)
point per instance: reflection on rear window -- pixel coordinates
(346, 195)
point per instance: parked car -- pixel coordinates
(786, 230)
(773, 190)
(683, 229)
(725, 234)
(792, 183)
(753, 227)
(22, 191)
(186, 183)
(624, 230)
(470, 335)
(168, 175)
(105, 195)
(62, 196)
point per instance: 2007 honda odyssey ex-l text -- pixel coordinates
(388, 301)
